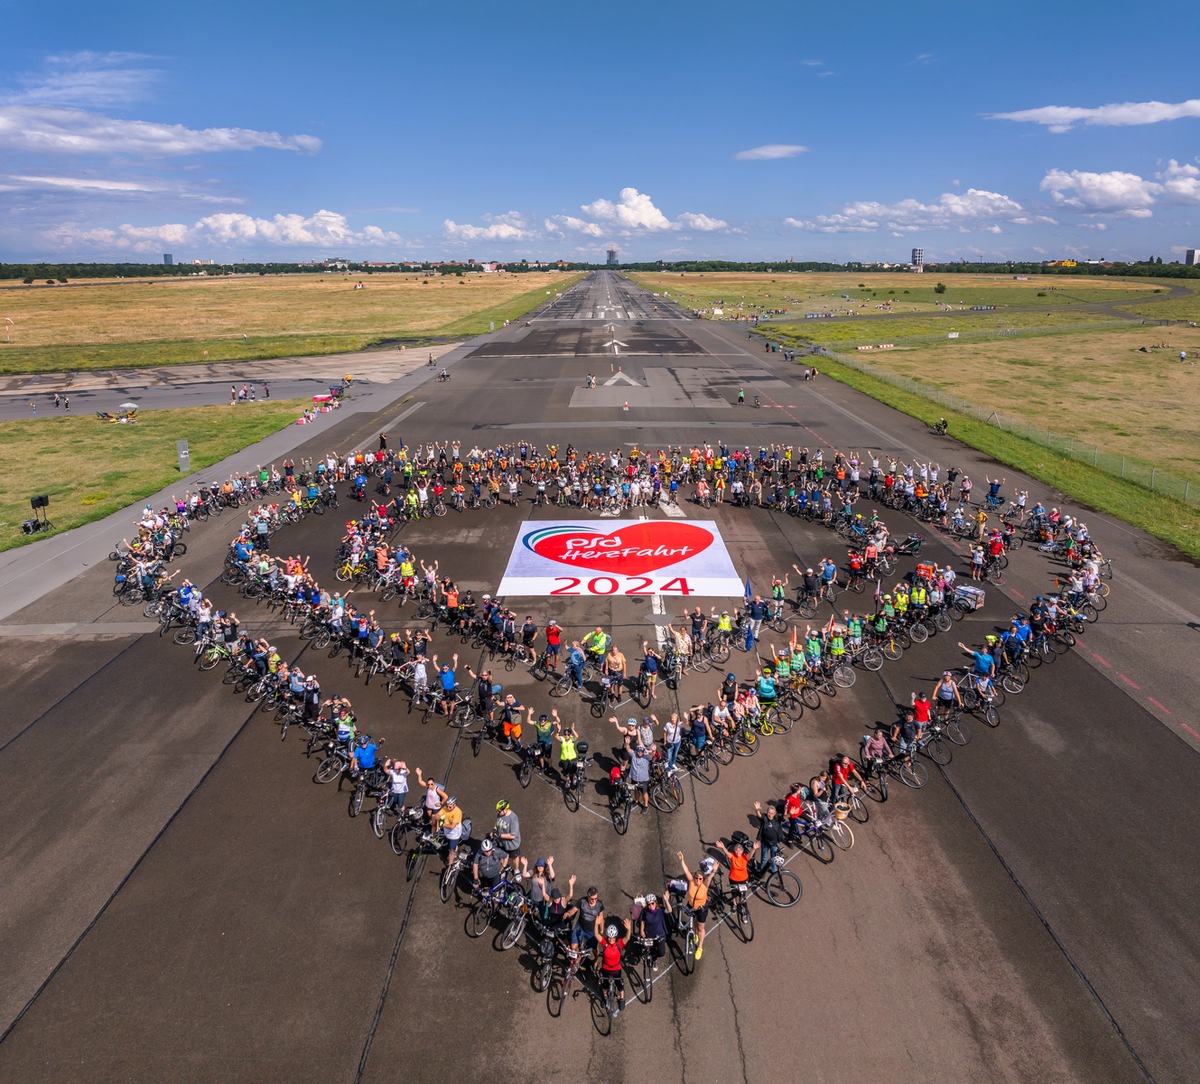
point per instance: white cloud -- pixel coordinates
(509, 218)
(325, 228)
(690, 221)
(83, 184)
(1112, 193)
(633, 210)
(559, 223)
(973, 209)
(812, 63)
(87, 78)
(1181, 183)
(770, 151)
(497, 231)
(56, 130)
(1062, 118)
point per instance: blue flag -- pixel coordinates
(749, 592)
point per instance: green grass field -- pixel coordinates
(91, 468)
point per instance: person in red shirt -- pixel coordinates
(922, 709)
(844, 770)
(612, 945)
(553, 641)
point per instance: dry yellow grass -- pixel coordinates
(1098, 388)
(130, 311)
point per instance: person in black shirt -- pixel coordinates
(652, 924)
(770, 834)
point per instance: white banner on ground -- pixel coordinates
(620, 557)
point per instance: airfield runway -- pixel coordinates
(180, 900)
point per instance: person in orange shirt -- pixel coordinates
(738, 857)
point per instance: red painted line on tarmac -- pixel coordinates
(1166, 712)
(1014, 591)
(1103, 662)
(1131, 684)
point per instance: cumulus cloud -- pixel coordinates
(325, 228)
(632, 210)
(690, 221)
(770, 151)
(53, 130)
(497, 231)
(973, 209)
(1181, 183)
(558, 224)
(1062, 118)
(1112, 193)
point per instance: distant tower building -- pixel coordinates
(918, 260)
(168, 260)
(1192, 257)
(612, 255)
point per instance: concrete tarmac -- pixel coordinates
(182, 899)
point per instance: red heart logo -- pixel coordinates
(628, 551)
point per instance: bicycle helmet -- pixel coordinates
(707, 865)
(501, 805)
(611, 932)
(486, 846)
(452, 801)
(651, 898)
(581, 747)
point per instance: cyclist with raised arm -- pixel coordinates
(612, 946)
(696, 898)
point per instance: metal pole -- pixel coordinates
(1122, 466)
(1152, 478)
(1095, 455)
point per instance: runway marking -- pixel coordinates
(1165, 711)
(1103, 662)
(673, 511)
(1131, 684)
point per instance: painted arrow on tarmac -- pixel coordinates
(616, 378)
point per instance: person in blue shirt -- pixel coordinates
(756, 610)
(575, 661)
(448, 681)
(242, 550)
(984, 664)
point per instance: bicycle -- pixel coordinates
(778, 886)
(733, 900)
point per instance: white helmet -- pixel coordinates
(611, 932)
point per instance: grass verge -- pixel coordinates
(1162, 517)
(91, 468)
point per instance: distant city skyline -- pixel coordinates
(426, 132)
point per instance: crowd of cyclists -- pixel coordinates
(575, 935)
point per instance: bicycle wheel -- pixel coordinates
(958, 730)
(914, 774)
(782, 888)
(479, 920)
(918, 633)
(872, 659)
(210, 660)
(706, 769)
(876, 789)
(512, 933)
(943, 621)
(1012, 682)
(939, 751)
(356, 799)
(525, 773)
(779, 720)
(540, 979)
(745, 922)
(328, 770)
(859, 810)
(604, 1010)
(620, 819)
(448, 881)
(820, 849)
(562, 687)
(807, 608)
(284, 723)
(185, 635)
(990, 716)
(995, 575)
(722, 751)
(892, 650)
(844, 676)
(571, 798)
(687, 957)
(719, 652)
(745, 744)
(379, 820)
(841, 835)
(398, 838)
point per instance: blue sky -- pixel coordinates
(411, 129)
